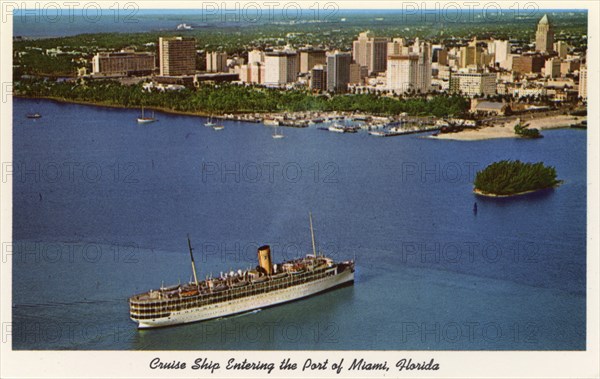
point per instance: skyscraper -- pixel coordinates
(410, 71)
(501, 49)
(338, 71)
(370, 51)
(281, 67)
(402, 72)
(177, 56)
(544, 36)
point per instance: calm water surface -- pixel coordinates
(102, 207)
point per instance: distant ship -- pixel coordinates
(242, 291)
(145, 120)
(218, 127)
(184, 26)
(34, 115)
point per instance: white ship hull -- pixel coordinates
(250, 303)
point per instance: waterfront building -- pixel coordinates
(310, 57)
(177, 56)
(281, 67)
(489, 107)
(216, 62)
(411, 71)
(544, 36)
(338, 71)
(473, 83)
(123, 63)
(370, 51)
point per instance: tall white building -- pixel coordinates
(501, 50)
(281, 67)
(402, 72)
(410, 71)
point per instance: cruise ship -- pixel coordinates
(236, 292)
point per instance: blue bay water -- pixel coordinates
(102, 206)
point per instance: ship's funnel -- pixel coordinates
(264, 259)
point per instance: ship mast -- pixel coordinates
(312, 234)
(193, 264)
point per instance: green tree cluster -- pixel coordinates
(230, 98)
(522, 130)
(513, 177)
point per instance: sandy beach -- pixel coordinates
(506, 129)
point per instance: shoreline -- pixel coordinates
(502, 129)
(492, 195)
(120, 106)
(506, 129)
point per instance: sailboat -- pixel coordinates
(277, 134)
(210, 122)
(145, 120)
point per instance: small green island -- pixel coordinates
(510, 178)
(522, 130)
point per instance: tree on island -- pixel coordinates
(505, 178)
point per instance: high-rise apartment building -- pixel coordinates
(370, 51)
(410, 71)
(177, 56)
(338, 71)
(281, 67)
